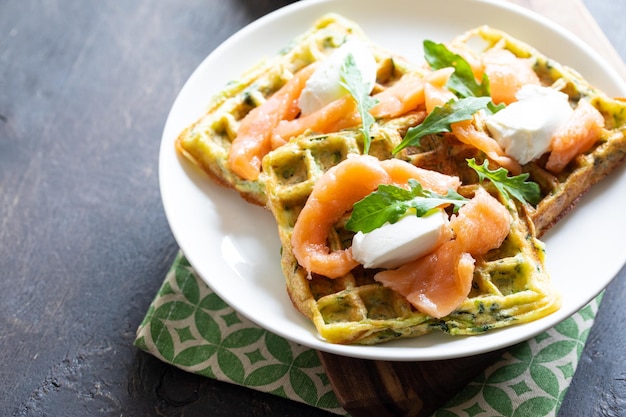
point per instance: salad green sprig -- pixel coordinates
(352, 80)
(441, 118)
(516, 187)
(473, 96)
(462, 81)
(389, 203)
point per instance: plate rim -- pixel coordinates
(370, 352)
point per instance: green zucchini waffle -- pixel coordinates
(510, 284)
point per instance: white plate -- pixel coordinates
(234, 245)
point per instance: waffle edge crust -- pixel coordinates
(510, 285)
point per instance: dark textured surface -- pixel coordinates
(599, 386)
(85, 87)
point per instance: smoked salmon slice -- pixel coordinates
(576, 136)
(405, 95)
(408, 93)
(438, 283)
(254, 136)
(336, 115)
(507, 73)
(467, 133)
(334, 193)
(401, 171)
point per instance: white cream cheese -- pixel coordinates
(525, 127)
(393, 245)
(324, 85)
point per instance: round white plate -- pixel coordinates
(234, 246)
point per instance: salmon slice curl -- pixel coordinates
(438, 283)
(334, 194)
(466, 132)
(401, 172)
(336, 115)
(405, 95)
(576, 136)
(254, 136)
(408, 93)
(507, 74)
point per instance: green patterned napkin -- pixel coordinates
(187, 325)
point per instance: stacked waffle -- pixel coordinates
(510, 284)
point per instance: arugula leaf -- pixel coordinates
(462, 82)
(352, 80)
(440, 119)
(511, 187)
(390, 202)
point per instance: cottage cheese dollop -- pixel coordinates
(393, 245)
(525, 127)
(324, 85)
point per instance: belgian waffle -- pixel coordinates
(560, 192)
(510, 283)
(207, 141)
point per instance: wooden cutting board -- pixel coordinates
(418, 389)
